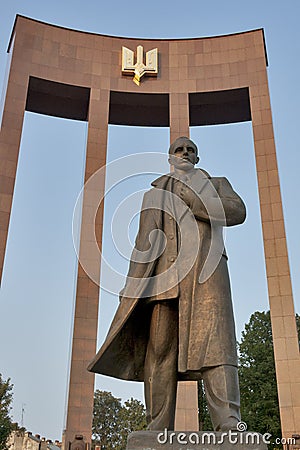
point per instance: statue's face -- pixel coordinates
(183, 154)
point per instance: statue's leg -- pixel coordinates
(223, 396)
(161, 366)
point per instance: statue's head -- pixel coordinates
(183, 153)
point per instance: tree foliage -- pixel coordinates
(5, 408)
(106, 428)
(132, 418)
(259, 398)
(112, 421)
(204, 417)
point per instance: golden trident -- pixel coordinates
(139, 68)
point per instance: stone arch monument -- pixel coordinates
(222, 79)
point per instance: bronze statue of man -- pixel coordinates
(175, 319)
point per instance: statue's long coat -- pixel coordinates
(206, 324)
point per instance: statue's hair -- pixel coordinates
(174, 144)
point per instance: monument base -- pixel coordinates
(196, 440)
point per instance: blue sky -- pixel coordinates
(37, 293)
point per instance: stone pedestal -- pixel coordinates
(195, 440)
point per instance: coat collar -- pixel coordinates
(163, 180)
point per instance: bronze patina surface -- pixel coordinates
(175, 319)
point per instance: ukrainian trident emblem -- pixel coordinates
(139, 68)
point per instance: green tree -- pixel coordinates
(106, 429)
(132, 418)
(5, 408)
(112, 421)
(203, 412)
(259, 398)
